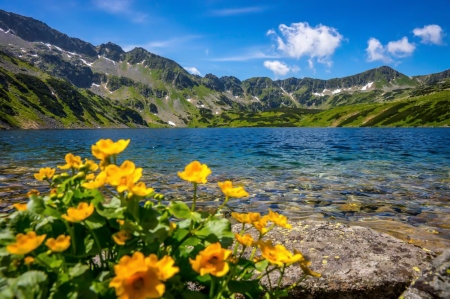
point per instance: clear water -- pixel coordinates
(392, 179)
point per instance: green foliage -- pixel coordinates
(100, 233)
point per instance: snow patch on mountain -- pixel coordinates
(336, 91)
(367, 86)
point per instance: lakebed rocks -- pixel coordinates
(355, 262)
(434, 282)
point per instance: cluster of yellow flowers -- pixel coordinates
(137, 275)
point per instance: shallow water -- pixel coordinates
(395, 180)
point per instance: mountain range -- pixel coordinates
(51, 80)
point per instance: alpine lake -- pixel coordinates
(394, 180)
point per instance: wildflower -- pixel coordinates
(33, 192)
(120, 221)
(246, 218)
(60, 244)
(44, 174)
(304, 264)
(81, 212)
(121, 236)
(278, 219)
(195, 172)
(98, 182)
(278, 254)
(25, 243)
(212, 260)
(245, 240)
(90, 176)
(138, 277)
(71, 162)
(229, 191)
(29, 260)
(20, 206)
(123, 177)
(89, 165)
(261, 226)
(105, 148)
(139, 189)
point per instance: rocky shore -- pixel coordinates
(355, 262)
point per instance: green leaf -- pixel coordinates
(36, 204)
(261, 266)
(51, 261)
(179, 209)
(217, 230)
(95, 221)
(188, 294)
(243, 287)
(31, 284)
(78, 270)
(67, 197)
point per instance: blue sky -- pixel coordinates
(278, 39)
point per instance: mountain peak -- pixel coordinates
(110, 50)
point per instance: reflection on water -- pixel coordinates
(394, 180)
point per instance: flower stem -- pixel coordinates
(195, 198)
(97, 243)
(281, 275)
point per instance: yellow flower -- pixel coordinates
(71, 162)
(304, 264)
(212, 260)
(229, 191)
(246, 218)
(89, 165)
(261, 225)
(44, 173)
(33, 192)
(20, 206)
(278, 254)
(90, 176)
(121, 236)
(139, 189)
(98, 182)
(123, 177)
(140, 278)
(106, 147)
(60, 244)
(195, 173)
(25, 243)
(29, 260)
(245, 240)
(81, 212)
(278, 219)
(120, 221)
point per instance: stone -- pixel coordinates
(434, 282)
(355, 262)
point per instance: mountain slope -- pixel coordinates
(30, 98)
(163, 92)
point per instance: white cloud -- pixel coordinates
(300, 40)
(295, 69)
(376, 51)
(401, 48)
(430, 34)
(121, 7)
(193, 70)
(279, 68)
(237, 11)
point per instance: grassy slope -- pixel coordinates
(30, 98)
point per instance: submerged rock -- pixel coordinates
(355, 262)
(434, 282)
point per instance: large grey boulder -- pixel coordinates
(355, 262)
(434, 282)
